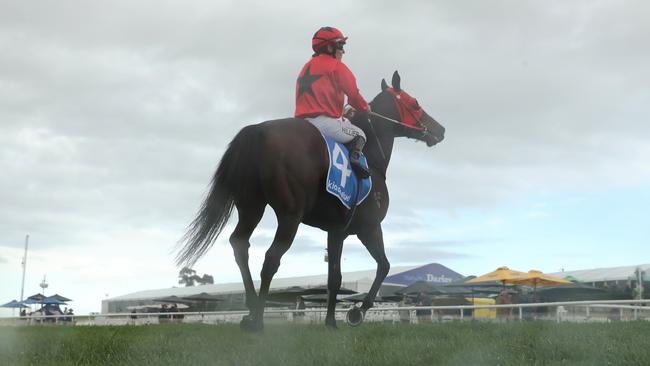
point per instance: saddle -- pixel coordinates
(341, 180)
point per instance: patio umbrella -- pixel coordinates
(172, 300)
(323, 290)
(203, 296)
(573, 292)
(204, 299)
(473, 288)
(536, 278)
(501, 274)
(51, 300)
(571, 278)
(14, 304)
(388, 293)
(61, 298)
(287, 295)
(419, 287)
(35, 298)
(155, 307)
(362, 296)
(317, 298)
(290, 294)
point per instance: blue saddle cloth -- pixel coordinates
(341, 180)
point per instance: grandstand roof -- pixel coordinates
(607, 274)
(277, 283)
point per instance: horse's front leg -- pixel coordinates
(334, 249)
(373, 240)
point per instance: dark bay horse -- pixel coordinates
(283, 163)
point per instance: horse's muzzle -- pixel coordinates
(432, 139)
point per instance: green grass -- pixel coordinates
(529, 343)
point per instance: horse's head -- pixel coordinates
(396, 104)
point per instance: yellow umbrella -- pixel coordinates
(536, 278)
(502, 274)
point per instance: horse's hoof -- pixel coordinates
(354, 317)
(248, 324)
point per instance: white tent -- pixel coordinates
(624, 273)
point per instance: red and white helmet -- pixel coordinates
(325, 36)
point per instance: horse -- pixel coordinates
(283, 163)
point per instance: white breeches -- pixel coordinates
(340, 129)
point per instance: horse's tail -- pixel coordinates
(233, 178)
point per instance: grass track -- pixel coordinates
(529, 343)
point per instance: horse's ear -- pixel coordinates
(384, 86)
(396, 81)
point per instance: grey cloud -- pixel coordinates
(425, 251)
(403, 253)
(123, 123)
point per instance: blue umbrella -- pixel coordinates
(14, 304)
(35, 299)
(52, 300)
(59, 297)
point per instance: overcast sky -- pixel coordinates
(113, 116)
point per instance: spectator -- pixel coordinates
(404, 315)
(504, 298)
(424, 315)
(300, 305)
(162, 318)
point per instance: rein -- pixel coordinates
(381, 149)
(394, 121)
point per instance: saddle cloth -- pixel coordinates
(341, 180)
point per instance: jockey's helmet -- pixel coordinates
(326, 36)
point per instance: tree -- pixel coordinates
(188, 277)
(206, 279)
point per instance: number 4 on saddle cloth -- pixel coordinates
(341, 180)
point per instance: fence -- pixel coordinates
(569, 311)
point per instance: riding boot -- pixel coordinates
(355, 146)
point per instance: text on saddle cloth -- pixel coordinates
(341, 180)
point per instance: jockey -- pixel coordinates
(320, 89)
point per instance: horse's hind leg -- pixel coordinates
(287, 227)
(249, 217)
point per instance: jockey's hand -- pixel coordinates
(348, 112)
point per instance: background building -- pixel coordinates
(233, 293)
(626, 282)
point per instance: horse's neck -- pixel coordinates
(380, 148)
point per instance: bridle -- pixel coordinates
(420, 128)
